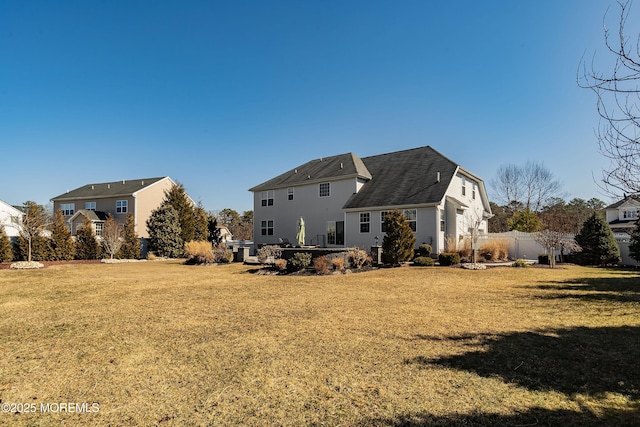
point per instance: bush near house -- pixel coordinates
(299, 261)
(321, 265)
(269, 253)
(357, 257)
(6, 254)
(424, 261)
(449, 258)
(543, 259)
(495, 250)
(337, 263)
(520, 263)
(424, 250)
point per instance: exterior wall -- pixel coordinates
(459, 219)
(146, 201)
(6, 212)
(306, 203)
(106, 205)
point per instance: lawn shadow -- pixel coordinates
(531, 417)
(625, 288)
(582, 360)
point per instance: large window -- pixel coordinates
(290, 193)
(383, 216)
(325, 189)
(335, 232)
(90, 206)
(412, 217)
(267, 198)
(121, 206)
(365, 222)
(68, 208)
(266, 227)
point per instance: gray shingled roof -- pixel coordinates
(325, 168)
(108, 189)
(619, 203)
(406, 177)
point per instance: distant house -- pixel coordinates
(138, 197)
(343, 199)
(623, 214)
(7, 213)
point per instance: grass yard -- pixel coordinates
(165, 344)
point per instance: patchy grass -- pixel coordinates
(168, 344)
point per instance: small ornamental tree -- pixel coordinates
(177, 197)
(599, 246)
(200, 224)
(30, 226)
(63, 247)
(130, 248)
(87, 246)
(164, 232)
(399, 240)
(112, 236)
(6, 254)
(634, 243)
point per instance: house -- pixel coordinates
(343, 200)
(119, 199)
(623, 214)
(8, 214)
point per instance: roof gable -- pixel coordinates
(324, 168)
(630, 201)
(109, 189)
(409, 177)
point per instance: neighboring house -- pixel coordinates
(7, 213)
(622, 215)
(225, 234)
(120, 198)
(343, 200)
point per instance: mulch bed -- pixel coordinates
(7, 265)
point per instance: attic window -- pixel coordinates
(324, 189)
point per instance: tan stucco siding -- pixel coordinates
(147, 200)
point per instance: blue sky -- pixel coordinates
(222, 96)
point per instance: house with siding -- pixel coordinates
(343, 200)
(8, 218)
(623, 214)
(138, 197)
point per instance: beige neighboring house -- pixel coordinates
(8, 215)
(138, 197)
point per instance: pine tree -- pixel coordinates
(178, 198)
(399, 240)
(6, 254)
(130, 248)
(599, 246)
(164, 232)
(63, 247)
(40, 248)
(634, 244)
(87, 246)
(213, 230)
(201, 224)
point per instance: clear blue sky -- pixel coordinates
(223, 95)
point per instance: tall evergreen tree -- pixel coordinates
(599, 246)
(130, 248)
(213, 230)
(634, 244)
(177, 197)
(6, 254)
(63, 247)
(87, 246)
(164, 232)
(399, 240)
(201, 223)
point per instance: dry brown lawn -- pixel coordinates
(161, 343)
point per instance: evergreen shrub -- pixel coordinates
(449, 258)
(424, 261)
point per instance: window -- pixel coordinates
(473, 191)
(90, 206)
(335, 232)
(290, 193)
(99, 228)
(121, 206)
(464, 186)
(68, 208)
(442, 220)
(267, 198)
(325, 189)
(365, 222)
(266, 228)
(383, 216)
(411, 215)
(630, 214)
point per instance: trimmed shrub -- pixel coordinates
(357, 257)
(337, 263)
(299, 261)
(543, 259)
(399, 240)
(449, 258)
(321, 265)
(520, 263)
(423, 250)
(424, 261)
(269, 253)
(281, 264)
(495, 250)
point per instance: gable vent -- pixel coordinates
(437, 176)
(295, 171)
(142, 183)
(341, 165)
(108, 185)
(123, 182)
(92, 187)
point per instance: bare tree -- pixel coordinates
(112, 236)
(618, 96)
(31, 224)
(525, 188)
(555, 240)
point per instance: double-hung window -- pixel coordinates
(412, 217)
(324, 189)
(383, 217)
(90, 206)
(121, 206)
(464, 186)
(267, 198)
(365, 222)
(99, 227)
(68, 208)
(266, 227)
(290, 193)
